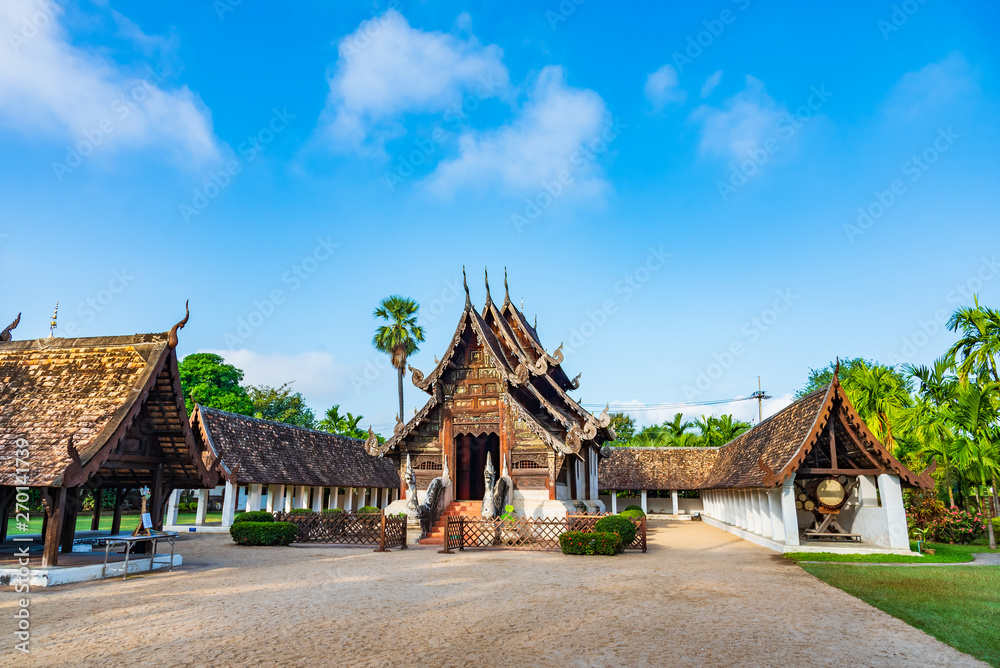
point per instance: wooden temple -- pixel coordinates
(84, 415)
(498, 395)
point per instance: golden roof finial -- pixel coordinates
(52, 324)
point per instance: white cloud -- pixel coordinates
(710, 84)
(47, 85)
(740, 123)
(934, 87)
(662, 87)
(543, 139)
(313, 373)
(387, 69)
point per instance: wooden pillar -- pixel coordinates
(54, 499)
(70, 511)
(116, 519)
(553, 472)
(159, 492)
(95, 519)
(7, 495)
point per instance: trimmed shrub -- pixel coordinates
(632, 514)
(634, 507)
(253, 516)
(369, 509)
(263, 533)
(619, 525)
(930, 518)
(302, 511)
(332, 511)
(581, 542)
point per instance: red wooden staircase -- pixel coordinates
(454, 509)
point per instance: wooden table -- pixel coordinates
(129, 541)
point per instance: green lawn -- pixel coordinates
(129, 522)
(943, 554)
(959, 605)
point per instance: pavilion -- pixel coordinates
(83, 415)
(275, 466)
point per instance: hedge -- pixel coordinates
(253, 516)
(619, 525)
(369, 509)
(331, 511)
(632, 514)
(635, 507)
(302, 511)
(581, 542)
(263, 533)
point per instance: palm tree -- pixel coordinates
(677, 426)
(729, 428)
(400, 337)
(926, 423)
(979, 345)
(878, 395)
(975, 415)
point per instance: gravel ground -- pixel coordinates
(700, 596)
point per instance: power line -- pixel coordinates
(655, 407)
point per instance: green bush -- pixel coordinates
(302, 511)
(581, 542)
(263, 533)
(332, 511)
(619, 525)
(632, 514)
(369, 509)
(253, 516)
(634, 507)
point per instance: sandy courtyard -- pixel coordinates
(699, 597)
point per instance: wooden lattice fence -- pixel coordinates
(526, 533)
(348, 529)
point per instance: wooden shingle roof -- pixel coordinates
(655, 468)
(79, 403)
(252, 450)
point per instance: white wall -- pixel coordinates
(656, 504)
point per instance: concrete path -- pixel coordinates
(699, 597)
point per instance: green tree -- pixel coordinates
(924, 428)
(624, 426)
(400, 337)
(280, 404)
(678, 426)
(879, 393)
(820, 378)
(977, 350)
(343, 425)
(207, 380)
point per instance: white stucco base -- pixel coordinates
(60, 575)
(814, 546)
(196, 528)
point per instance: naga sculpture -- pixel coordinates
(497, 491)
(424, 511)
(5, 334)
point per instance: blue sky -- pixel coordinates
(687, 196)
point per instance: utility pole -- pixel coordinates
(759, 396)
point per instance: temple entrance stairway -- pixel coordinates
(454, 509)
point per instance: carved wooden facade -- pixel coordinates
(498, 391)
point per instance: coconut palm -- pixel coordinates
(975, 415)
(878, 394)
(677, 426)
(400, 337)
(977, 350)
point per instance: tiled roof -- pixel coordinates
(265, 452)
(655, 468)
(91, 390)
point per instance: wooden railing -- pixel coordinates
(348, 529)
(527, 533)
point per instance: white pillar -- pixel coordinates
(202, 511)
(175, 498)
(645, 508)
(229, 504)
(349, 499)
(614, 502)
(867, 491)
(317, 503)
(253, 497)
(744, 510)
(673, 499)
(275, 498)
(774, 511)
(789, 516)
(334, 497)
(754, 503)
(765, 513)
(304, 496)
(733, 517)
(289, 494)
(891, 492)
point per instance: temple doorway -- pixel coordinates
(470, 453)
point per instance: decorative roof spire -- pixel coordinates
(506, 291)
(5, 334)
(172, 336)
(465, 283)
(53, 324)
(486, 272)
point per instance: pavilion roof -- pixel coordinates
(111, 405)
(655, 468)
(251, 450)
